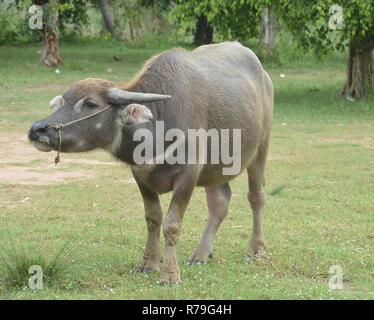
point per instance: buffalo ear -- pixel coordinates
(56, 103)
(134, 113)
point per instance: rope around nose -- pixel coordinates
(60, 126)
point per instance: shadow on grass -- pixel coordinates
(277, 190)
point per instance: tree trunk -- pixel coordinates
(268, 30)
(107, 16)
(50, 56)
(203, 32)
(360, 71)
(132, 30)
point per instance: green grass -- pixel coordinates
(320, 186)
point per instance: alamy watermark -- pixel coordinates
(336, 18)
(221, 143)
(336, 280)
(36, 20)
(36, 281)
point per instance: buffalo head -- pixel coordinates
(85, 98)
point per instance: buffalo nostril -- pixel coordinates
(37, 127)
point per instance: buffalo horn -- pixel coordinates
(122, 96)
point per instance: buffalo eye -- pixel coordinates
(90, 105)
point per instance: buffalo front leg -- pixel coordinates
(172, 224)
(153, 216)
(218, 198)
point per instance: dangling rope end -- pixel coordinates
(57, 160)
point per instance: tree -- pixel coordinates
(268, 30)
(315, 24)
(129, 18)
(50, 55)
(184, 13)
(107, 16)
(236, 19)
(326, 25)
(360, 72)
(203, 31)
(72, 12)
(55, 14)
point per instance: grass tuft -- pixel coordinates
(16, 260)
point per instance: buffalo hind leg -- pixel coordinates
(153, 216)
(218, 198)
(256, 197)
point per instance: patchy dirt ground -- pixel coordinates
(21, 163)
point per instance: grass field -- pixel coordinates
(320, 187)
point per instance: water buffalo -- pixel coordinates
(219, 86)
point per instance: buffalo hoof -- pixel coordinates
(169, 284)
(170, 279)
(146, 266)
(257, 256)
(146, 271)
(198, 259)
